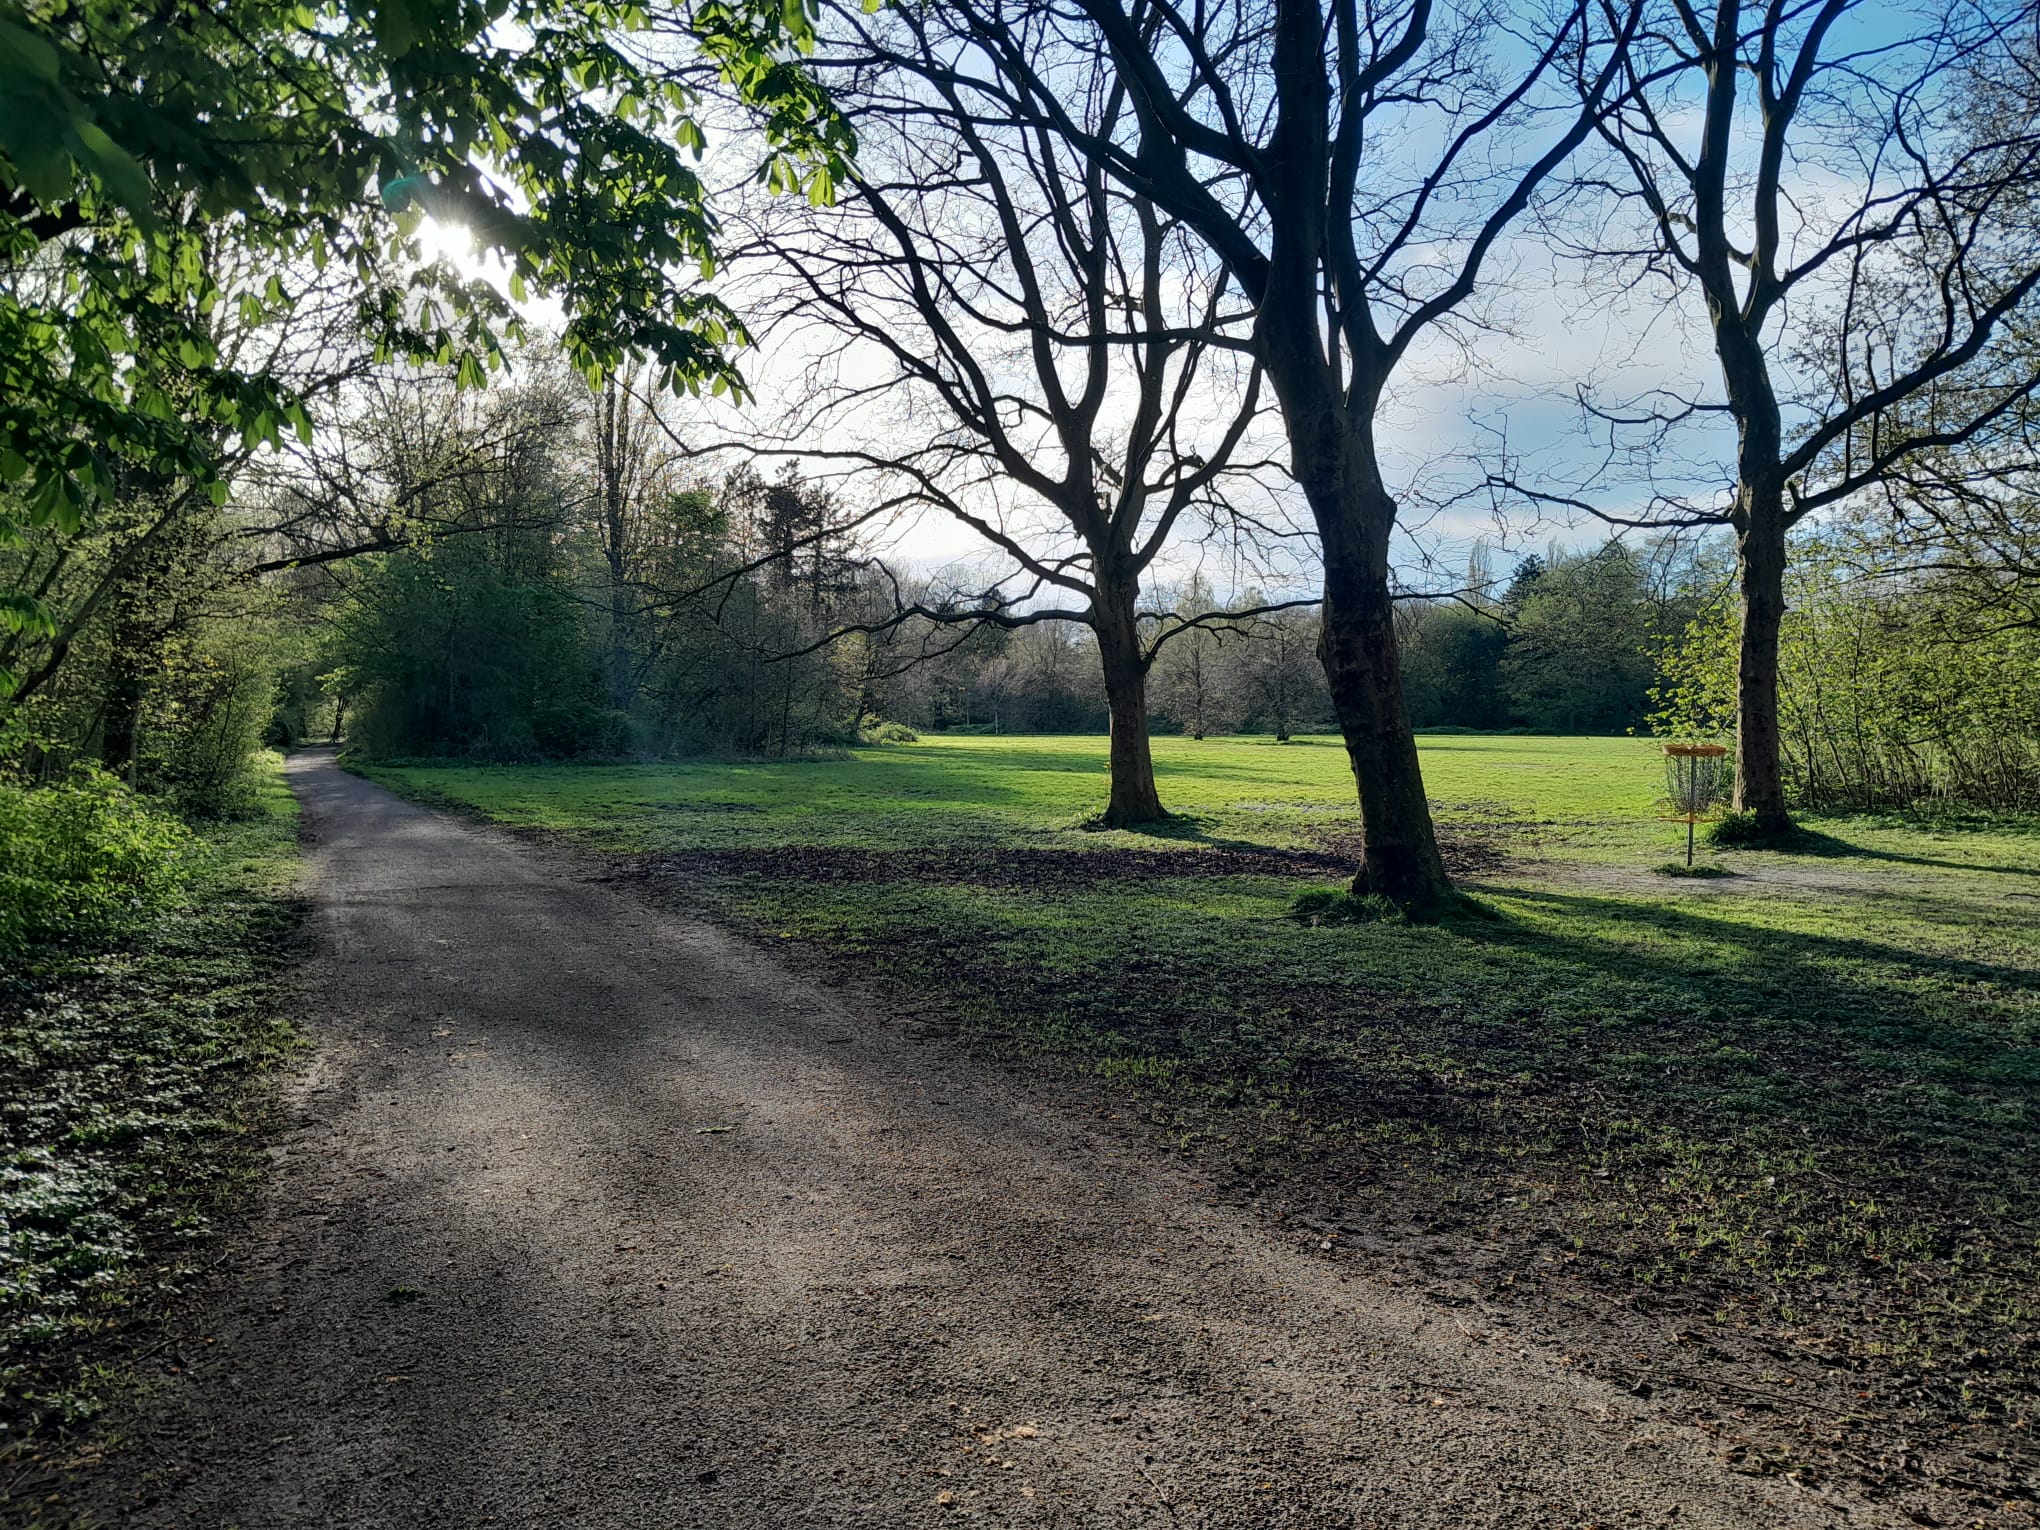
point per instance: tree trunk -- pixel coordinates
(1363, 669)
(1133, 797)
(613, 448)
(1331, 448)
(131, 659)
(1399, 857)
(1760, 569)
(621, 691)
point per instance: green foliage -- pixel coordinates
(1580, 644)
(887, 733)
(1570, 646)
(139, 146)
(1739, 831)
(472, 646)
(121, 1070)
(82, 860)
(209, 705)
(1452, 677)
(1703, 870)
(1889, 697)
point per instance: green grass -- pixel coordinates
(1791, 1108)
(124, 1065)
(965, 790)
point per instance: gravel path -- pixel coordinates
(589, 1215)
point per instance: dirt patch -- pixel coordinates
(1465, 855)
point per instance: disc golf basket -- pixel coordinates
(1696, 784)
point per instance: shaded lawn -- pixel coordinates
(1792, 1109)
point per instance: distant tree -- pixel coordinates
(1522, 582)
(1057, 372)
(1190, 673)
(1272, 674)
(1579, 655)
(1451, 658)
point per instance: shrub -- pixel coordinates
(887, 733)
(1738, 830)
(207, 713)
(1894, 692)
(82, 857)
(564, 729)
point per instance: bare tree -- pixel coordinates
(1354, 169)
(626, 470)
(1812, 180)
(1017, 340)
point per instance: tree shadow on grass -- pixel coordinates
(1184, 829)
(1814, 842)
(1829, 1000)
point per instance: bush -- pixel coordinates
(1735, 831)
(209, 709)
(84, 857)
(887, 733)
(562, 730)
(1894, 693)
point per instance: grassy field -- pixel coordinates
(968, 790)
(125, 1066)
(1768, 1140)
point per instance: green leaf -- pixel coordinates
(118, 170)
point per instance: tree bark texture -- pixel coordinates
(1760, 571)
(1362, 663)
(1133, 798)
(1333, 459)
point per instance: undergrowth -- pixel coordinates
(126, 1053)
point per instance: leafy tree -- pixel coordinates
(1451, 658)
(134, 142)
(1886, 698)
(473, 644)
(1579, 656)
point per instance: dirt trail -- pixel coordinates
(588, 1215)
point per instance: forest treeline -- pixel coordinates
(585, 593)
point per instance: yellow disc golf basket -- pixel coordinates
(1696, 784)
